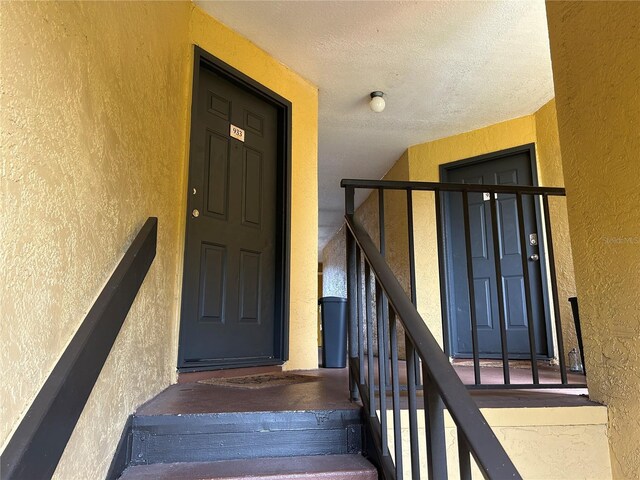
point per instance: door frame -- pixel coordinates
(203, 59)
(448, 280)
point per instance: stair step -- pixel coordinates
(233, 436)
(351, 467)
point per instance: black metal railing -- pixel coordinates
(524, 196)
(40, 439)
(378, 304)
(442, 386)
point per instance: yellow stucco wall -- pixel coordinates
(395, 221)
(595, 53)
(93, 140)
(550, 175)
(561, 443)
(95, 104)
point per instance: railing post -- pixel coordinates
(576, 321)
(382, 366)
(352, 303)
(498, 270)
(413, 409)
(527, 289)
(442, 266)
(464, 460)
(471, 287)
(369, 319)
(412, 271)
(434, 424)
(395, 388)
(554, 288)
(361, 340)
(383, 248)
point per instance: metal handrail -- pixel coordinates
(442, 386)
(36, 446)
(473, 428)
(523, 195)
(450, 187)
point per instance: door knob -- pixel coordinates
(534, 258)
(195, 213)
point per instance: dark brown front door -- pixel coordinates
(230, 274)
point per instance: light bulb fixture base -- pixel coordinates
(377, 102)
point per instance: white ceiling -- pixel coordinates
(445, 67)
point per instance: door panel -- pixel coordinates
(217, 188)
(514, 169)
(212, 280)
(230, 272)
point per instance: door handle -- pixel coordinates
(534, 258)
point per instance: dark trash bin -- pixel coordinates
(333, 311)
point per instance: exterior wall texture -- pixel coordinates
(595, 53)
(334, 253)
(550, 175)
(96, 103)
(561, 443)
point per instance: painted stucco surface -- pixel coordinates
(550, 175)
(595, 52)
(396, 246)
(96, 102)
(334, 277)
(93, 139)
(543, 443)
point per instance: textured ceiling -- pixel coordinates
(446, 67)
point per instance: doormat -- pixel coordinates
(494, 364)
(266, 380)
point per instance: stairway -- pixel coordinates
(193, 431)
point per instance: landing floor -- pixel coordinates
(330, 392)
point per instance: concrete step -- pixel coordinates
(327, 467)
(231, 436)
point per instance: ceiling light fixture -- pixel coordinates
(377, 103)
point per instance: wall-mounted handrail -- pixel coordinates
(442, 385)
(36, 447)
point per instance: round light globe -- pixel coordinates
(377, 102)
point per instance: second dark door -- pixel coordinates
(509, 169)
(229, 285)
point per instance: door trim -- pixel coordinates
(546, 306)
(203, 59)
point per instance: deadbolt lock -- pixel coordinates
(195, 213)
